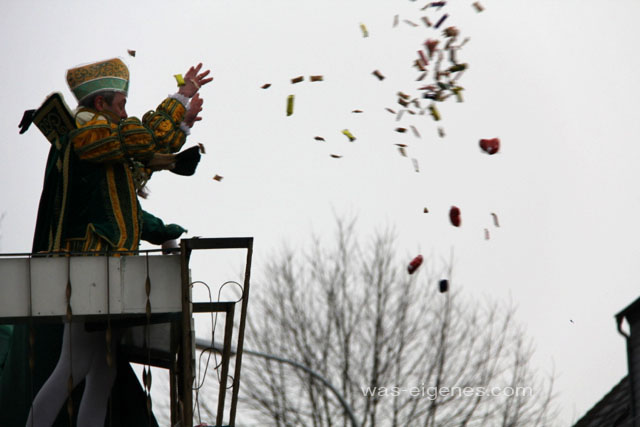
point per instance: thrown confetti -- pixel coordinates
(431, 46)
(454, 216)
(336, 156)
(440, 21)
(179, 79)
(415, 131)
(356, 111)
(441, 132)
(423, 59)
(458, 67)
(266, 85)
(443, 285)
(490, 146)
(426, 210)
(131, 52)
(413, 24)
(478, 6)
(426, 21)
(486, 234)
(297, 79)
(365, 33)
(402, 151)
(349, 135)
(458, 93)
(290, 105)
(218, 178)
(401, 130)
(319, 138)
(495, 219)
(395, 20)
(414, 264)
(434, 112)
(450, 32)
(392, 111)
(316, 78)
(201, 147)
(416, 167)
(378, 74)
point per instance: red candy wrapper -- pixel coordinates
(414, 264)
(490, 146)
(454, 216)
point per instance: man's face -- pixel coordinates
(116, 107)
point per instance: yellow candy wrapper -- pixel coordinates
(365, 33)
(434, 112)
(349, 135)
(290, 105)
(179, 79)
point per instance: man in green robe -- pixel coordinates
(95, 170)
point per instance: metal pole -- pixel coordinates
(202, 344)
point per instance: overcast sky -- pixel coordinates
(555, 80)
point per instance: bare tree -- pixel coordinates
(400, 352)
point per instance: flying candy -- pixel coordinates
(290, 105)
(490, 146)
(349, 135)
(414, 264)
(378, 74)
(179, 79)
(454, 216)
(495, 219)
(434, 112)
(441, 21)
(365, 33)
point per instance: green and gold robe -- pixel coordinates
(89, 202)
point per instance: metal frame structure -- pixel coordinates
(187, 353)
(180, 359)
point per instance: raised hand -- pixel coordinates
(194, 81)
(195, 106)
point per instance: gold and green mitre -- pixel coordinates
(86, 80)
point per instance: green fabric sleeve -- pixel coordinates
(155, 231)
